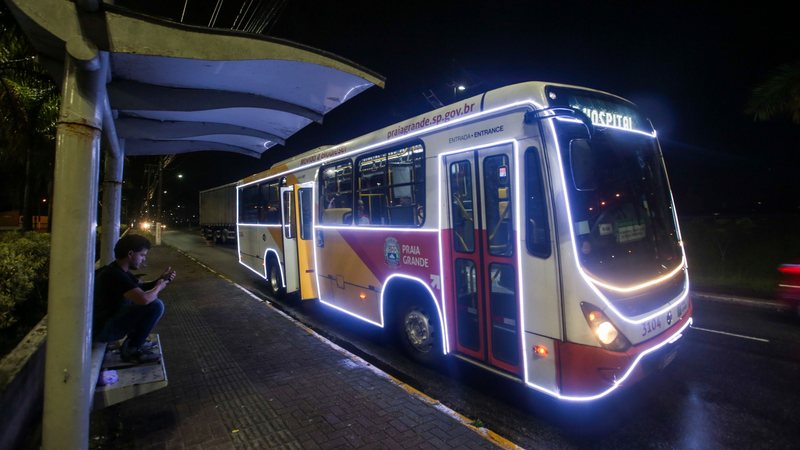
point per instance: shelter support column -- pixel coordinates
(67, 362)
(112, 204)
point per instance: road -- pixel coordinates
(734, 384)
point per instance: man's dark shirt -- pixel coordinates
(110, 285)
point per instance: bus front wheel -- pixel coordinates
(419, 332)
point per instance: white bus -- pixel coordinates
(529, 230)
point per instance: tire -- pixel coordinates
(419, 332)
(274, 279)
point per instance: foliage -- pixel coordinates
(28, 111)
(739, 254)
(778, 95)
(24, 260)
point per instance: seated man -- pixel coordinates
(124, 307)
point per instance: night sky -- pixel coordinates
(689, 66)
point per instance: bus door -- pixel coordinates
(482, 250)
(305, 245)
(289, 235)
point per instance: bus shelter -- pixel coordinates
(149, 87)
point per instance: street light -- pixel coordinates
(457, 88)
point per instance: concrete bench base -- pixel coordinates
(118, 381)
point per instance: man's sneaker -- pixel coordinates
(138, 356)
(149, 345)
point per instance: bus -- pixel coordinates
(529, 230)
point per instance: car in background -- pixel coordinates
(789, 286)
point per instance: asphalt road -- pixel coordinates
(734, 384)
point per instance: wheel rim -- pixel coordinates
(418, 330)
(274, 282)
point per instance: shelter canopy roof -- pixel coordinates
(174, 88)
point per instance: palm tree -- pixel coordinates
(28, 113)
(779, 95)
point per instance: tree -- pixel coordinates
(778, 95)
(28, 112)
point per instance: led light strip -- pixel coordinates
(617, 383)
(442, 202)
(517, 157)
(472, 117)
(353, 228)
(588, 279)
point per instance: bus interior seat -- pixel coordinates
(336, 215)
(401, 215)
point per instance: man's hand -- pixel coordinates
(168, 275)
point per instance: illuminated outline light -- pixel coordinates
(238, 241)
(316, 263)
(442, 169)
(628, 130)
(264, 275)
(376, 228)
(673, 338)
(442, 320)
(280, 266)
(261, 225)
(509, 106)
(617, 383)
(589, 280)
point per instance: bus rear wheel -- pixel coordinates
(274, 280)
(419, 333)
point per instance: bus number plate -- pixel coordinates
(651, 326)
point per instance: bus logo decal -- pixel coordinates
(391, 252)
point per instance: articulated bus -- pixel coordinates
(529, 230)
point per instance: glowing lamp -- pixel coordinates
(603, 329)
(606, 332)
(789, 269)
(540, 351)
(362, 296)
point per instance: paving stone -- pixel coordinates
(243, 376)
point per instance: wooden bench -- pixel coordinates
(132, 380)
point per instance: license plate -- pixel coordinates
(667, 359)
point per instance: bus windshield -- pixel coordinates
(622, 215)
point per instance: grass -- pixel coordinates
(739, 254)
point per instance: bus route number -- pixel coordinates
(651, 326)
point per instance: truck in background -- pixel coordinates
(218, 213)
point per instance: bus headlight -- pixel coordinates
(605, 331)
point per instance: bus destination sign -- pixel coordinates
(602, 110)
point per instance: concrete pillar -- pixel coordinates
(67, 381)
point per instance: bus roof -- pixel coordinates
(532, 93)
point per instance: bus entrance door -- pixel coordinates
(289, 221)
(481, 247)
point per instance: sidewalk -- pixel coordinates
(242, 375)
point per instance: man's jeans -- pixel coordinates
(134, 321)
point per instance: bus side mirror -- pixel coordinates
(582, 162)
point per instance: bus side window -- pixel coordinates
(305, 213)
(537, 227)
(498, 205)
(390, 187)
(249, 204)
(336, 193)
